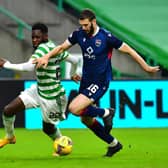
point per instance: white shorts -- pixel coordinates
(53, 111)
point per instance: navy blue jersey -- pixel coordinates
(97, 52)
(97, 69)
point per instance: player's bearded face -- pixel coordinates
(87, 26)
(91, 31)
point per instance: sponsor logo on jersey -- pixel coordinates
(90, 54)
(89, 50)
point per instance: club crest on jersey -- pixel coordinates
(98, 42)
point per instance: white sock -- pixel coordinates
(114, 142)
(9, 125)
(58, 133)
(106, 113)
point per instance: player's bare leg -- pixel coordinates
(79, 103)
(83, 106)
(8, 117)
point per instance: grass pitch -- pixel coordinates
(143, 148)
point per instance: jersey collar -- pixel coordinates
(97, 30)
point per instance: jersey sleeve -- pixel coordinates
(113, 41)
(72, 38)
(26, 66)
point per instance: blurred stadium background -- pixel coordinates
(139, 23)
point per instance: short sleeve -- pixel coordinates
(72, 38)
(113, 41)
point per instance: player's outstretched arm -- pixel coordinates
(43, 61)
(26, 66)
(127, 49)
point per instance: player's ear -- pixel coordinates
(94, 21)
(45, 37)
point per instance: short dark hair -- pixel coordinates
(40, 26)
(87, 14)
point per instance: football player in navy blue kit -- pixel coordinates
(96, 44)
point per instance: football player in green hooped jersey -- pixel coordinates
(48, 93)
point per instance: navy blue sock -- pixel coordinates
(99, 130)
(93, 111)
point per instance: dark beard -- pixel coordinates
(91, 30)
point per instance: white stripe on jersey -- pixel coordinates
(48, 85)
(40, 52)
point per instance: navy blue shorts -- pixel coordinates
(93, 91)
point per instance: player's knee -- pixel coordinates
(7, 111)
(73, 109)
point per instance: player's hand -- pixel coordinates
(152, 69)
(76, 78)
(41, 62)
(2, 62)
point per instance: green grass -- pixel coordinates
(143, 148)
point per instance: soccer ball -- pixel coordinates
(63, 145)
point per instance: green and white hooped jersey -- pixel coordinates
(48, 79)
